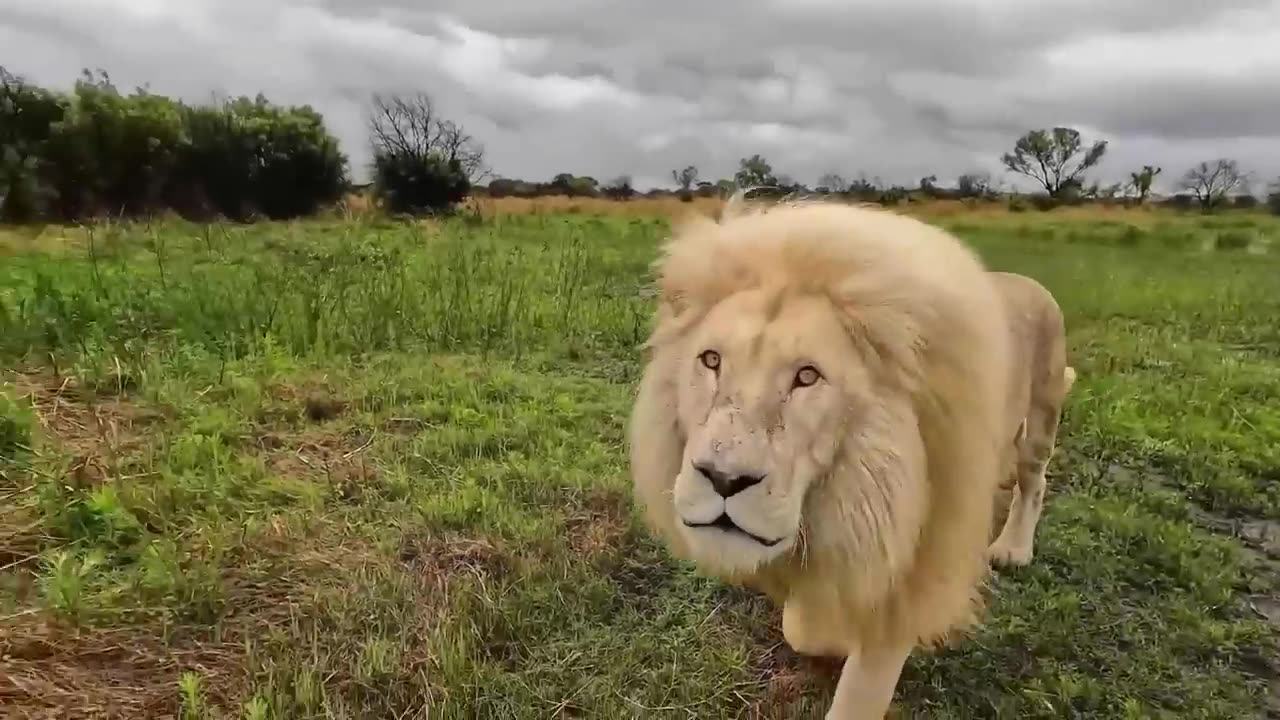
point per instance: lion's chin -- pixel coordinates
(732, 552)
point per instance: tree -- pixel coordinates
(975, 185)
(685, 178)
(833, 182)
(1142, 180)
(929, 185)
(1046, 156)
(422, 161)
(1211, 182)
(754, 171)
(619, 188)
(28, 116)
(1273, 197)
(575, 186)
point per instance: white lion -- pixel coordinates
(825, 415)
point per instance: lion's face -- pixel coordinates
(768, 386)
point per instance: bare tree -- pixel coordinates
(411, 127)
(1046, 156)
(1211, 182)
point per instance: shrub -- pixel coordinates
(409, 184)
(28, 116)
(96, 151)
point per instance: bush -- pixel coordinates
(1233, 240)
(408, 184)
(94, 151)
(28, 116)
(1244, 202)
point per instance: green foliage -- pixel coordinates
(464, 519)
(15, 432)
(28, 117)
(754, 171)
(1142, 180)
(574, 186)
(96, 152)
(251, 156)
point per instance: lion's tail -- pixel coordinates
(1068, 379)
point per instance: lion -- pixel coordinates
(824, 415)
(1040, 380)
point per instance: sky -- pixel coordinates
(888, 89)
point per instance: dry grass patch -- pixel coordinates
(52, 670)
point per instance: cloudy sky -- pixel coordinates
(895, 89)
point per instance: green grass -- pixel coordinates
(377, 470)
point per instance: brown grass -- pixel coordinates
(672, 207)
(52, 671)
(97, 432)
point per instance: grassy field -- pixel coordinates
(374, 469)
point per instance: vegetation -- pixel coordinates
(93, 152)
(1211, 182)
(1142, 180)
(96, 152)
(361, 468)
(423, 163)
(1056, 159)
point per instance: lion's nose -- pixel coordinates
(726, 484)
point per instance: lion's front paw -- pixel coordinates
(1003, 553)
(806, 639)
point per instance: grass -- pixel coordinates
(376, 469)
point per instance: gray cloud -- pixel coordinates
(895, 89)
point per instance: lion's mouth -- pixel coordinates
(724, 522)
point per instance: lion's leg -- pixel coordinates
(807, 637)
(1015, 546)
(866, 685)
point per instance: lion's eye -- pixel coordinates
(711, 359)
(807, 376)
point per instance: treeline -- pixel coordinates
(1055, 159)
(95, 151)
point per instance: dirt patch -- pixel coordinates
(311, 400)
(598, 524)
(339, 458)
(441, 559)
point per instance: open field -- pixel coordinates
(376, 469)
